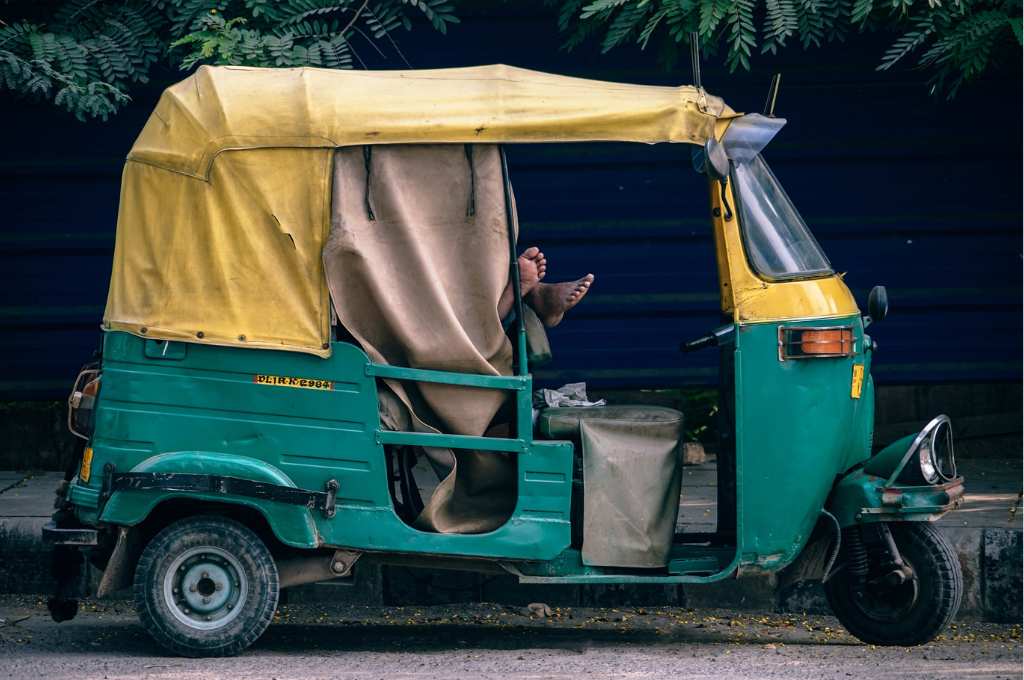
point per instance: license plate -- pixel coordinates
(857, 385)
(85, 471)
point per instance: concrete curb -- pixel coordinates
(24, 559)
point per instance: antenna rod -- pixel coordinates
(695, 58)
(773, 93)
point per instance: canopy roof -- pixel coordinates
(233, 107)
(225, 248)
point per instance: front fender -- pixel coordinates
(293, 525)
(873, 493)
(861, 498)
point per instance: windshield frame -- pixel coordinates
(745, 238)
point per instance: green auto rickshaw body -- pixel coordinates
(173, 407)
(295, 436)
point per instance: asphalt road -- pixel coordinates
(492, 641)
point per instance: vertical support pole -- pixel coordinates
(524, 397)
(522, 368)
(695, 58)
(773, 93)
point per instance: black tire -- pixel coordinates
(206, 586)
(915, 616)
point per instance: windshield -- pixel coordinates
(779, 245)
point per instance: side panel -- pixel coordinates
(798, 426)
(184, 407)
(292, 524)
(208, 409)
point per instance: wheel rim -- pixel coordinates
(204, 588)
(888, 603)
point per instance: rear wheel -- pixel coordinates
(206, 586)
(880, 612)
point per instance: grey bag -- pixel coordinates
(632, 474)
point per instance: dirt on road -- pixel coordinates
(464, 642)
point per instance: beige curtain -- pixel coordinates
(416, 262)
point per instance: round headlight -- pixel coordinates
(926, 460)
(942, 451)
(930, 457)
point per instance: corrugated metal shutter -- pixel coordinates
(918, 194)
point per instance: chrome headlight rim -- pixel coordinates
(942, 440)
(922, 451)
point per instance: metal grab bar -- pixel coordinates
(451, 441)
(494, 382)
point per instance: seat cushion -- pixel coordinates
(564, 423)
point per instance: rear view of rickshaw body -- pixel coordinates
(228, 416)
(295, 421)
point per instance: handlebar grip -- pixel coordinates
(699, 343)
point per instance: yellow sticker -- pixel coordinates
(85, 471)
(301, 383)
(858, 381)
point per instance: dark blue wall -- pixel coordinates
(917, 193)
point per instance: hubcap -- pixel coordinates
(204, 586)
(888, 603)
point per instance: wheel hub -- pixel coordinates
(890, 597)
(204, 586)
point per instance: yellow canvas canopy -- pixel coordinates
(225, 196)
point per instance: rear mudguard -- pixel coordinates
(292, 524)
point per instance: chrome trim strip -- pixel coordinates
(783, 356)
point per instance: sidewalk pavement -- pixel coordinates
(986, 533)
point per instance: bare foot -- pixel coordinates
(532, 268)
(552, 300)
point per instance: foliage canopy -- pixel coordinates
(86, 55)
(954, 40)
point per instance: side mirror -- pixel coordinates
(878, 303)
(711, 160)
(717, 160)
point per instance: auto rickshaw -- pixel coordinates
(230, 431)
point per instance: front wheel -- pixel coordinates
(206, 586)
(909, 613)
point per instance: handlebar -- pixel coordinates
(699, 343)
(713, 339)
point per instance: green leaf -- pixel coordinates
(861, 10)
(651, 26)
(906, 44)
(626, 22)
(599, 7)
(1017, 26)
